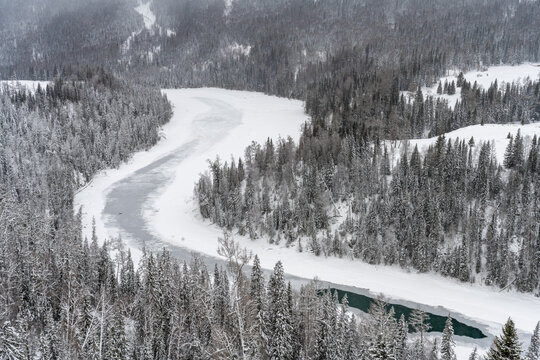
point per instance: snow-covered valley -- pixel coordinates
(210, 122)
(258, 179)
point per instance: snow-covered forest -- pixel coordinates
(354, 185)
(452, 209)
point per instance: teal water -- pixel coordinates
(362, 302)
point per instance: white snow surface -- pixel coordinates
(484, 78)
(147, 14)
(236, 49)
(228, 7)
(262, 117)
(149, 19)
(496, 134)
(30, 85)
(173, 215)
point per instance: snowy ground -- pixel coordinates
(169, 212)
(149, 20)
(496, 134)
(29, 85)
(192, 131)
(147, 14)
(150, 25)
(503, 74)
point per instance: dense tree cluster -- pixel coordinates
(40, 36)
(365, 102)
(100, 307)
(206, 42)
(51, 143)
(452, 209)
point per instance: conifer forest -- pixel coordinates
(375, 178)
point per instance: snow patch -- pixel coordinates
(236, 50)
(484, 78)
(149, 23)
(127, 44)
(28, 85)
(296, 71)
(496, 134)
(147, 14)
(36, 55)
(228, 7)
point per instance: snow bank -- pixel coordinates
(484, 78)
(497, 134)
(30, 85)
(236, 50)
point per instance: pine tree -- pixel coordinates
(533, 352)
(257, 290)
(279, 328)
(419, 322)
(508, 154)
(460, 79)
(447, 342)
(257, 294)
(434, 354)
(507, 346)
(11, 342)
(517, 150)
(116, 348)
(351, 340)
(380, 349)
(401, 338)
(324, 330)
(474, 355)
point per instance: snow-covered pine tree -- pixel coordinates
(11, 342)
(474, 355)
(279, 328)
(419, 322)
(434, 353)
(506, 346)
(533, 352)
(517, 150)
(116, 348)
(401, 338)
(447, 342)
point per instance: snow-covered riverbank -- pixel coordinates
(206, 122)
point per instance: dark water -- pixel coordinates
(437, 322)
